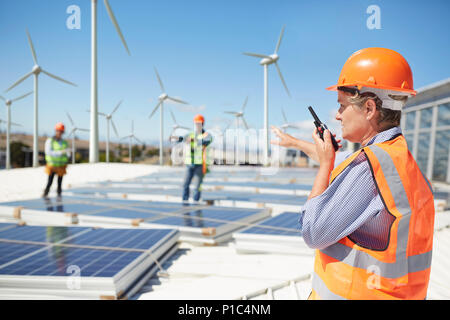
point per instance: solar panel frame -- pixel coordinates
(288, 220)
(164, 240)
(212, 235)
(257, 239)
(152, 194)
(216, 221)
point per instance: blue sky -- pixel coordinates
(197, 47)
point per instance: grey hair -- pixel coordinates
(388, 118)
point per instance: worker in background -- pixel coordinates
(56, 156)
(196, 159)
(370, 214)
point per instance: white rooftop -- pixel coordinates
(217, 272)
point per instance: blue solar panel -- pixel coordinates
(75, 208)
(271, 185)
(286, 220)
(206, 195)
(35, 203)
(442, 195)
(4, 226)
(200, 218)
(53, 260)
(101, 207)
(133, 214)
(39, 234)
(121, 238)
(58, 205)
(13, 251)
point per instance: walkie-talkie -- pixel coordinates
(321, 127)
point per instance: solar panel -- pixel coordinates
(206, 195)
(279, 234)
(121, 238)
(55, 261)
(120, 254)
(133, 214)
(286, 224)
(12, 251)
(40, 234)
(188, 219)
(205, 218)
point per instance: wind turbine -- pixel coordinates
(239, 116)
(176, 125)
(265, 62)
(72, 133)
(109, 120)
(93, 141)
(163, 96)
(131, 137)
(8, 122)
(286, 125)
(36, 71)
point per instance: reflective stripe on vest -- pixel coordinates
(193, 151)
(58, 161)
(346, 270)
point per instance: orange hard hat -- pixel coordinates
(199, 118)
(60, 127)
(376, 68)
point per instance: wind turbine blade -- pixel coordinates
(3, 98)
(31, 47)
(154, 110)
(173, 117)
(231, 112)
(159, 80)
(138, 140)
(177, 100)
(114, 128)
(19, 81)
(72, 131)
(81, 129)
(245, 103)
(245, 123)
(284, 116)
(22, 96)
(102, 114)
(70, 119)
(15, 124)
(58, 78)
(117, 107)
(279, 40)
(186, 128)
(116, 25)
(282, 79)
(256, 55)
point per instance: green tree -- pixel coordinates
(135, 151)
(152, 152)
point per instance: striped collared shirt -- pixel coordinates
(350, 206)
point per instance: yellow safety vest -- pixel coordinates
(61, 160)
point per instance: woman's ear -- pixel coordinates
(370, 109)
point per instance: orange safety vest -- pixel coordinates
(346, 270)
